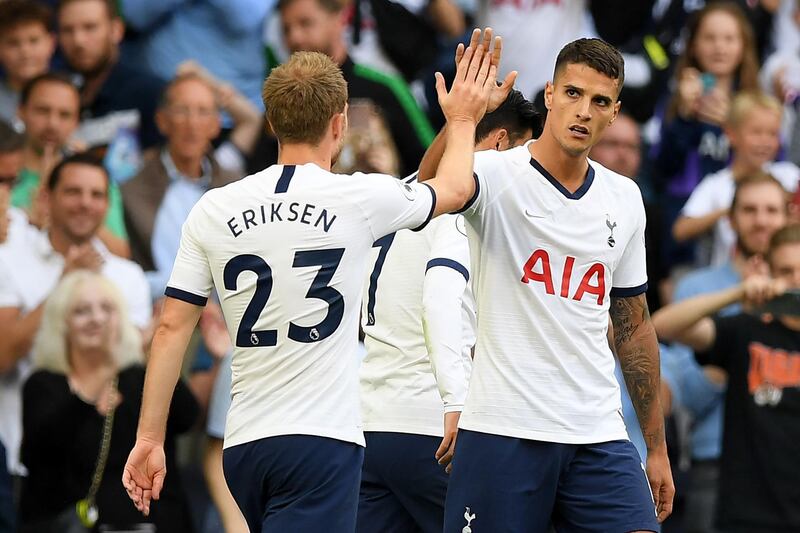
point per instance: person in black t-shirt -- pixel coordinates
(759, 469)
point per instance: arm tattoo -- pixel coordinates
(637, 349)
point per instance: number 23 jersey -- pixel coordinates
(546, 262)
(286, 251)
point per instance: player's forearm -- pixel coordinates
(433, 156)
(454, 183)
(673, 321)
(637, 350)
(163, 370)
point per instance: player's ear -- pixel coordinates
(501, 140)
(548, 94)
(339, 125)
(614, 115)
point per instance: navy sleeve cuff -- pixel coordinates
(185, 296)
(430, 213)
(628, 292)
(449, 263)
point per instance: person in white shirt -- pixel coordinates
(557, 243)
(31, 267)
(418, 317)
(753, 127)
(286, 250)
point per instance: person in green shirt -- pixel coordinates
(49, 108)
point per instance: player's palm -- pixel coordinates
(143, 475)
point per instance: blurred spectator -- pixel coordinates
(77, 200)
(719, 59)
(620, 149)
(757, 489)
(215, 336)
(225, 36)
(318, 25)
(753, 127)
(380, 32)
(26, 45)
(49, 108)
(534, 31)
(13, 221)
(88, 370)
(158, 199)
(757, 211)
(118, 100)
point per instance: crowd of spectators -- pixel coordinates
(116, 116)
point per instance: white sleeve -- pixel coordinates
(191, 279)
(141, 304)
(630, 275)
(701, 201)
(391, 204)
(488, 172)
(446, 278)
(9, 294)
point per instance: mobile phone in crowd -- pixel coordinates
(787, 303)
(708, 80)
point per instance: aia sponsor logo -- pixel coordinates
(592, 282)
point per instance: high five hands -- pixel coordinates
(474, 90)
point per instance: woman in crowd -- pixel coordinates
(80, 406)
(719, 59)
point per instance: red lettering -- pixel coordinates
(545, 276)
(566, 276)
(586, 286)
(774, 366)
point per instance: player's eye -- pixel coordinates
(572, 92)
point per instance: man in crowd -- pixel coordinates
(77, 200)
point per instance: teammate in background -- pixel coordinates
(418, 317)
(293, 442)
(557, 242)
(757, 489)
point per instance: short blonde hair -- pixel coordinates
(746, 101)
(50, 349)
(302, 96)
(787, 235)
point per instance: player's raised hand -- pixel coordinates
(659, 474)
(499, 91)
(143, 475)
(475, 78)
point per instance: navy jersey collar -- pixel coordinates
(579, 192)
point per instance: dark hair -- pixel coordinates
(14, 13)
(331, 6)
(758, 178)
(516, 114)
(594, 53)
(83, 158)
(53, 77)
(10, 139)
(789, 234)
(111, 6)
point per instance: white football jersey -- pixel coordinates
(286, 250)
(398, 387)
(545, 262)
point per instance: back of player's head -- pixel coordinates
(15, 13)
(516, 115)
(747, 102)
(752, 180)
(47, 77)
(10, 139)
(302, 96)
(83, 158)
(594, 53)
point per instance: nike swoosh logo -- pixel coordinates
(531, 215)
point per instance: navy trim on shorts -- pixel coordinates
(474, 196)
(286, 177)
(628, 292)
(578, 194)
(188, 297)
(449, 263)
(433, 206)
